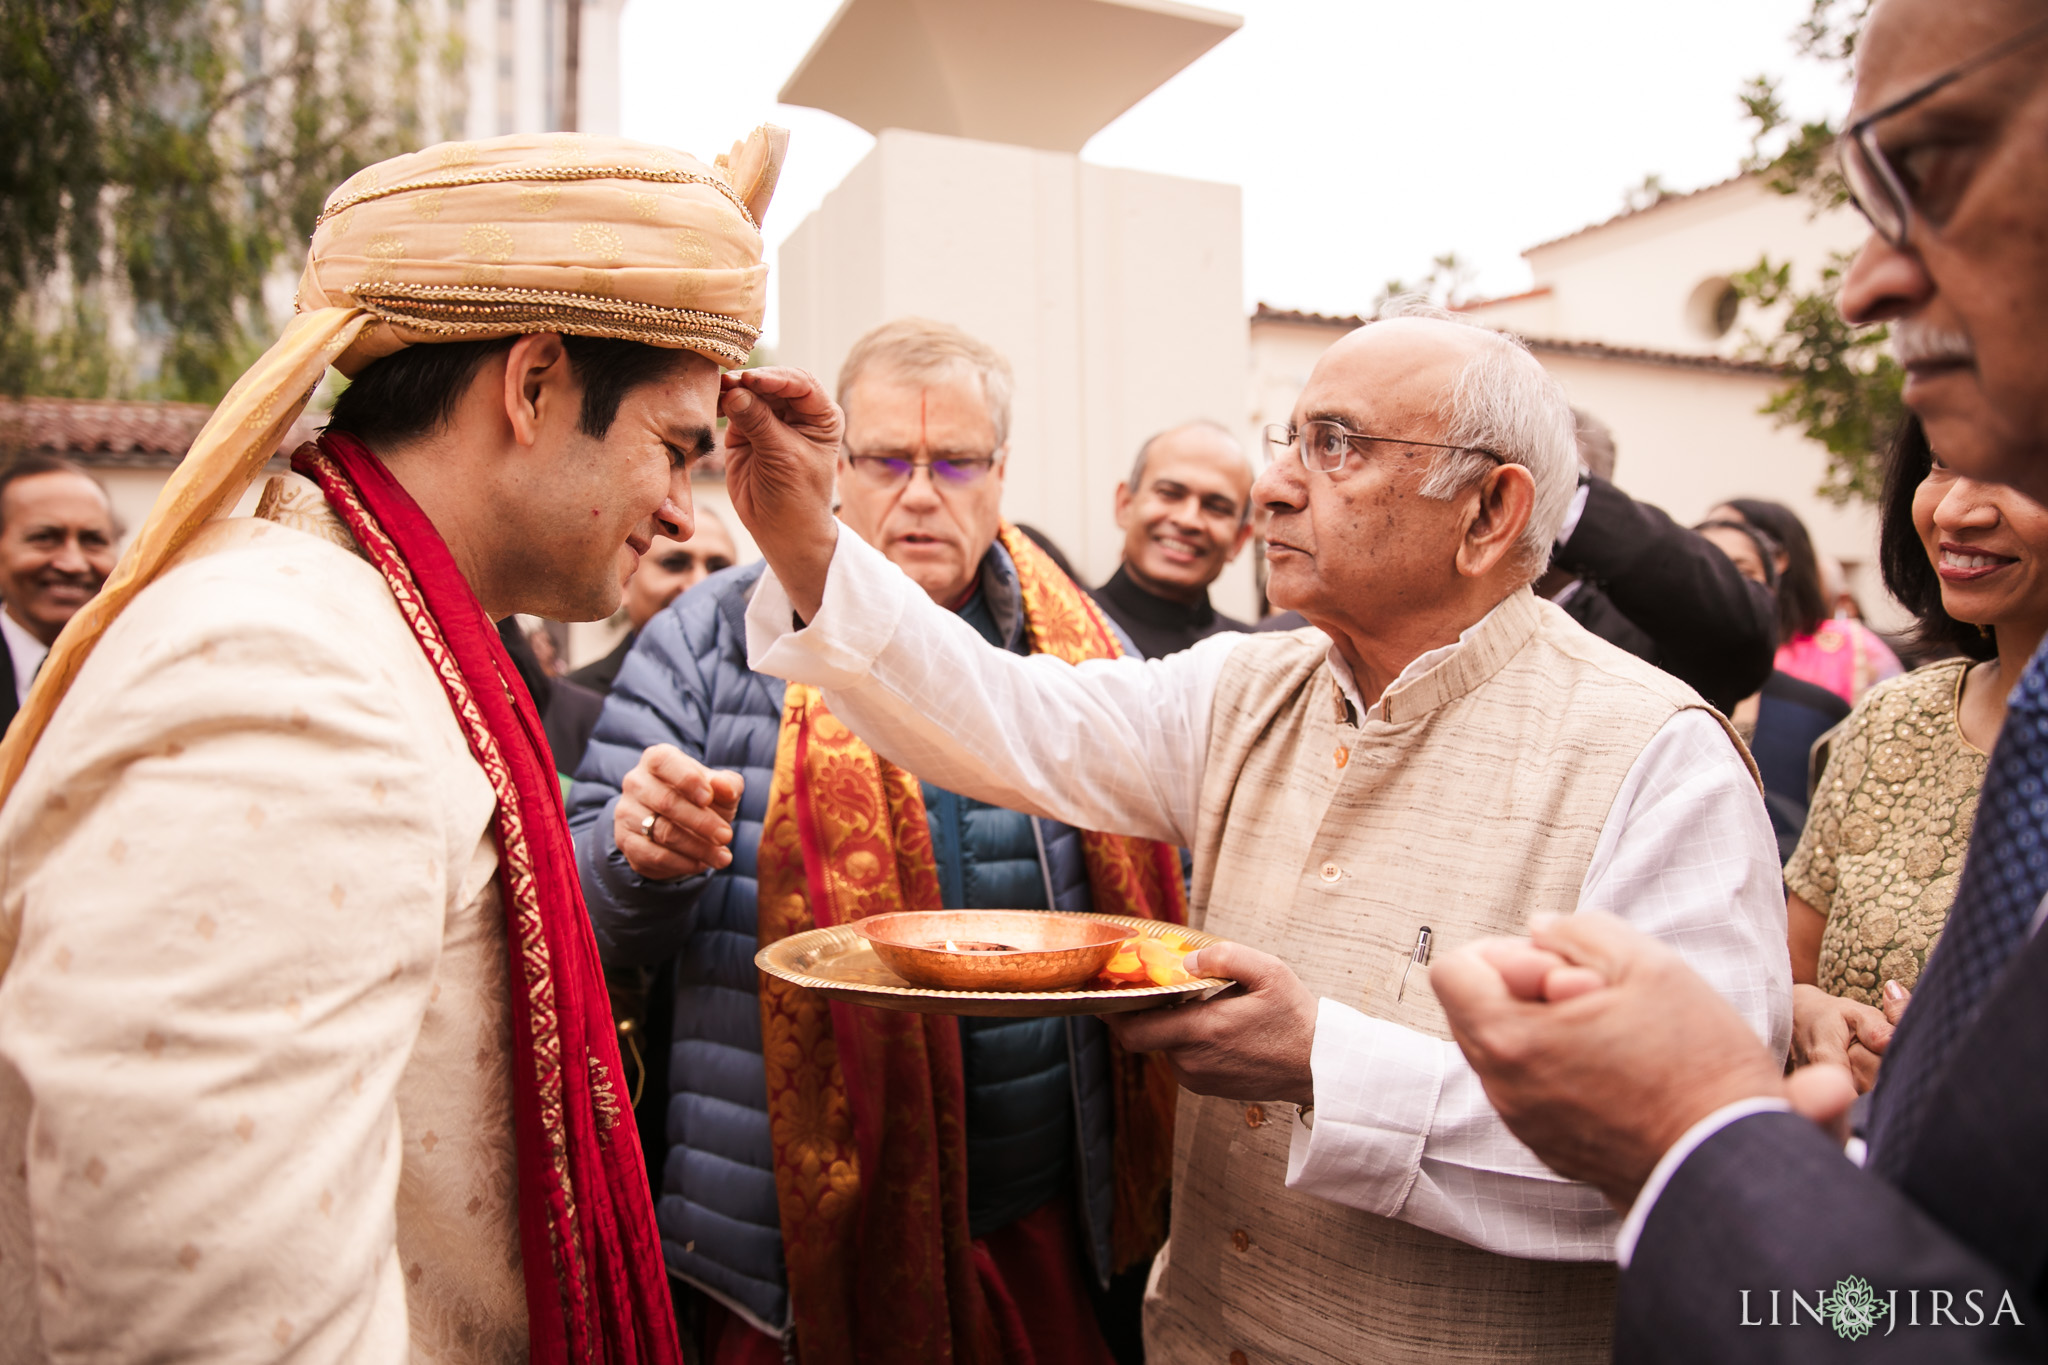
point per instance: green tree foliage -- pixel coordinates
(1650, 193)
(172, 154)
(1841, 387)
(1447, 283)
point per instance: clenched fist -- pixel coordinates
(692, 808)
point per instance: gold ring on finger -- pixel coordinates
(647, 827)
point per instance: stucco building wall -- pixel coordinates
(1114, 293)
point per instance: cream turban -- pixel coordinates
(594, 236)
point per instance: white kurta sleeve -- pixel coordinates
(231, 913)
(1402, 1126)
(1112, 744)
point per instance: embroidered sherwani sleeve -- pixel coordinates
(229, 941)
(1113, 744)
(1402, 1127)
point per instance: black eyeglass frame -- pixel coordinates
(1293, 434)
(1860, 138)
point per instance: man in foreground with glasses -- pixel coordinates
(1437, 756)
(1928, 1234)
(807, 1188)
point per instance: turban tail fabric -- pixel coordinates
(583, 235)
(866, 1107)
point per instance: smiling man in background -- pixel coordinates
(1185, 513)
(57, 539)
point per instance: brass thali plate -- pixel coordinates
(839, 963)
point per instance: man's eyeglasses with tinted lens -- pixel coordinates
(947, 471)
(1323, 444)
(1892, 189)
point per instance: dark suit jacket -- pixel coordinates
(1770, 1203)
(568, 711)
(598, 674)
(8, 706)
(1702, 622)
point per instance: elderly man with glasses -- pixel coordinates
(1925, 1235)
(808, 1188)
(1437, 756)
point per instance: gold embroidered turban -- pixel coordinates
(594, 236)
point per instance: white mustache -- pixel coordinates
(1915, 343)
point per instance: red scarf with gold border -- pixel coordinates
(596, 1289)
(867, 1101)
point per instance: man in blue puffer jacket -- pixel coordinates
(928, 410)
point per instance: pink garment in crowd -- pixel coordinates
(1844, 656)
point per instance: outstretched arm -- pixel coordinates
(1112, 744)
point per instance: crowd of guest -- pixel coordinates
(1707, 855)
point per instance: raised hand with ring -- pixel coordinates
(674, 815)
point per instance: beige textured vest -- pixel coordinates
(1477, 798)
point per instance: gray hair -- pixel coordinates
(1505, 402)
(1137, 479)
(919, 348)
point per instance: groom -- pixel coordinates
(304, 1045)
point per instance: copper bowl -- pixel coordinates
(991, 950)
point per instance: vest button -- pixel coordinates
(1254, 1116)
(1241, 1240)
(1331, 872)
(1343, 755)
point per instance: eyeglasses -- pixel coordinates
(1891, 194)
(948, 471)
(1323, 444)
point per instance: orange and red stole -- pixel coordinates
(866, 1106)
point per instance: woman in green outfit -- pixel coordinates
(1869, 887)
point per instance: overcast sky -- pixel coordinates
(1368, 135)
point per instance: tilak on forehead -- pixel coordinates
(592, 236)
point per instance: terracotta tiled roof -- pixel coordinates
(1541, 291)
(1669, 197)
(1594, 350)
(1643, 355)
(112, 433)
(1268, 313)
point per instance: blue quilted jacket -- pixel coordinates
(1038, 1098)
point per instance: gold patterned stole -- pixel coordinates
(864, 1100)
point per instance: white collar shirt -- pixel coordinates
(25, 650)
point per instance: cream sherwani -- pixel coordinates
(255, 1097)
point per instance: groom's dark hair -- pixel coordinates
(412, 393)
